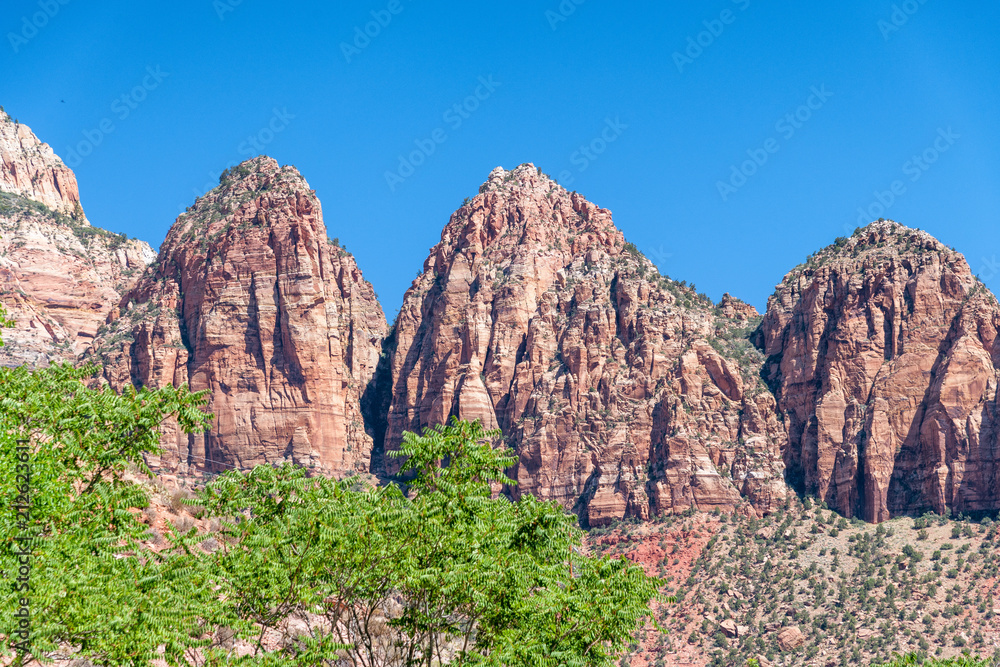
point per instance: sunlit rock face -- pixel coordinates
(59, 276)
(251, 301)
(884, 357)
(619, 389)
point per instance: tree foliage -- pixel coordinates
(449, 574)
(92, 586)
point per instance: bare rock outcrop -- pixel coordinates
(737, 309)
(252, 302)
(790, 638)
(59, 276)
(623, 392)
(884, 357)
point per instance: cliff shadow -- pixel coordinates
(375, 400)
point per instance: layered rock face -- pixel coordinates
(251, 301)
(30, 169)
(883, 354)
(59, 276)
(621, 391)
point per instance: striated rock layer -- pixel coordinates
(621, 391)
(251, 301)
(883, 354)
(59, 276)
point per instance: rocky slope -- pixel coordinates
(804, 586)
(622, 392)
(251, 301)
(883, 354)
(59, 276)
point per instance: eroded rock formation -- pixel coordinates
(883, 353)
(59, 276)
(621, 391)
(251, 301)
(30, 169)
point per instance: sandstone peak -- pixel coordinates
(622, 391)
(59, 276)
(250, 300)
(31, 169)
(884, 357)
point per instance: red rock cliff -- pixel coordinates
(30, 169)
(59, 276)
(250, 300)
(621, 391)
(884, 357)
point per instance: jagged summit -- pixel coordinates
(256, 175)
(889, 233)
(526, 175)
(616, 385)
(881, 242)
(242, 200)
(524, 211)
(256, 172)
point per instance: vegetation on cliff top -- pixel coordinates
(16, 206)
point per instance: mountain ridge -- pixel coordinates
(624, 392)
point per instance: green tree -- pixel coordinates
(71, 553)
(380, 578)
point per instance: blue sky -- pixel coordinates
(706, 173)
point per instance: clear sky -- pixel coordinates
(673, 115)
